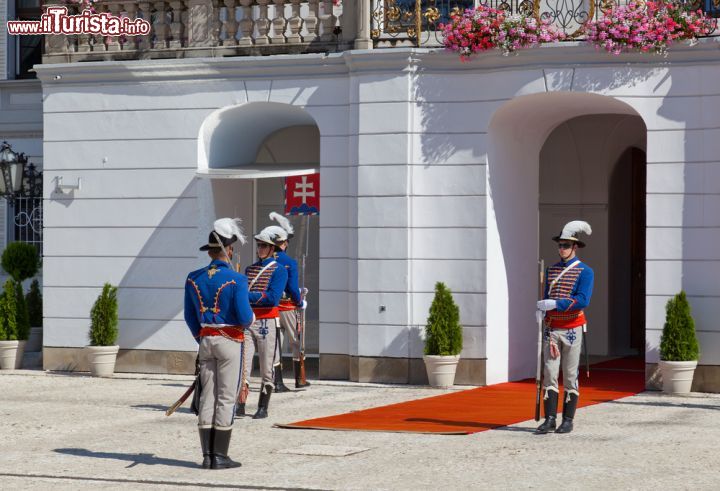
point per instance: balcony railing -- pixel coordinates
(417, 22)
(191, 28)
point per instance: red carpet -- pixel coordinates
(474, 410)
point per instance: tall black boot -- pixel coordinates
(206, 443)
(551, 403)
(221, 444)
(569, 407)
(262, 411)
(299, 382)
(279, 384)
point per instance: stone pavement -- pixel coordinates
(71, 431)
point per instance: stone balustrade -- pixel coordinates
(194, 28)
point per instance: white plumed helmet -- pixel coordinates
(570, 231)
(284, 223)
(272, 235)
(227, 231)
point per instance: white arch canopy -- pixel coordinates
(232, 139)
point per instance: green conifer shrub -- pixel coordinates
(21, 313)
(104, 318)
(443, 332)
(8, 312)
(34, 304)
(678, 341)
(20, 260)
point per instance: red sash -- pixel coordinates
(565, 320)
(266, 312)
(235, 333)
(287, 304)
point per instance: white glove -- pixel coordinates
(304, 292)
(539, 316)
(548, 304)
(303, 305)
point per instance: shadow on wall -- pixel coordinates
(151, 287)
(151, 293)
(700, 204)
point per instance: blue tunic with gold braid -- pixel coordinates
(216, 299)
(572, 293)
(292, 297)
(267, 290)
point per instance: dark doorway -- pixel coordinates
(626, 248)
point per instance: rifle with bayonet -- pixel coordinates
(540, 318)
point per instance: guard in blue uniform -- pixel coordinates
(568, 288)
(217, 311)
(267, 279)
(292, 303)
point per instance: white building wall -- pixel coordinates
(383, 216)
(404, 166)
(136, 221)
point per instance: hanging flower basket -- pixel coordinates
(649, 27)
(484, 28)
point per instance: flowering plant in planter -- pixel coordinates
(694, 23)
(483, 28)
(647, 27)
(522, 31)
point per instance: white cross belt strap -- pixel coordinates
(261, 272)
(568, 268)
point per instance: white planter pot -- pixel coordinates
(101, 360)
(677, 376)
(8, 354)
(441, 369)
(20, 354)
(34, 342)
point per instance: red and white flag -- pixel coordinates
(302, 195)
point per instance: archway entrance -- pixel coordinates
(551, 159)
(244, 154)
(592, 168)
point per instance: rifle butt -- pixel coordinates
(302, 368)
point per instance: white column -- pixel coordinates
(363, 41)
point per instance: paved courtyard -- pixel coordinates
(71, 431)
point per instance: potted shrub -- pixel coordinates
(9, 343)
(102, 351)
(20, 260)
(679, 349)
(443, 338)
(33, 300)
